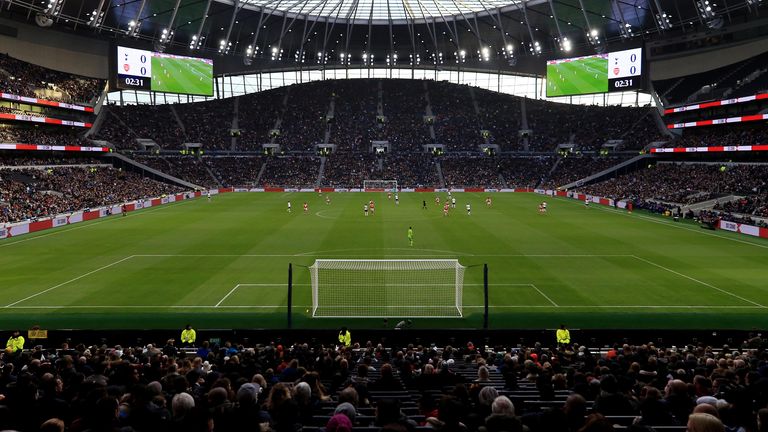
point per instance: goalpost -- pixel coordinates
(380, 185)
(397, 288)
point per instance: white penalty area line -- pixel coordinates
(69, 281)
(699, 281)
(251, 285)
(544, 295)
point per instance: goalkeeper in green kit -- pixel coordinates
(410, 235)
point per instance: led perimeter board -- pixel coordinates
(599, 73)
(137, 69)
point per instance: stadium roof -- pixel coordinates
(486, 34)
(382, 11)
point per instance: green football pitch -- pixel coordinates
(583, 76)
(224, 264)
(186, 76)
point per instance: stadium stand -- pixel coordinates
(29, 193)
(405, 108)
(411, 170)
(383, 387)
(189, 168)
(404, 105)
(501, 115)
(525, 172)
(154, 122)
(26, 79)
(291, 172)
(722, 135)
(348, 170)
(743, 78)
(257, 115)
(303, 120)
(456, 123)
(571, 169)
(355, 109)
(468, 172)
(43, 136)
(207, 124)
(671, 186)
(588, 127)
(235, 171)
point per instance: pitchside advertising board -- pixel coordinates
(137, 69)
(600, 73)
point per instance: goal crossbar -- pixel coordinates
(387, 288)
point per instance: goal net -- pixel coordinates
(379, 185)
(387, 288)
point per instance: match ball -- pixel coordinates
(307, 311)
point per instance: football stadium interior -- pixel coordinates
(376, 215)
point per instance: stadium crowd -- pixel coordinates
(683, 183)
(304, 119)
(501, 116)
(156, 122)
(257, 114)
(29, 193)
(291, 172)
(456, 124)
(723, 135)
(525, 172)
(235, 171)
(355, 109)
(388, 388)
(26, 79)
(349, 169)
(589, 127)
(187, 167)
(468, 172)
(56, 135)
(410, 170)
(573, 168)
(404, 107)
(208, 124)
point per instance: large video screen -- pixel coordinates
(161, 72)
(599, 73)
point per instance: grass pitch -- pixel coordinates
(223, 264)
(581, 76)
(186, 76)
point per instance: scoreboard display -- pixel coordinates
(601, 73)
(625, 70)
(134, 69)
(138, 69)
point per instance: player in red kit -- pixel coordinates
(306, 208)
(446, 207)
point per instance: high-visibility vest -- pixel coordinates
(345, 338)
(188, 336)
(563, 336)
(16, 344)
